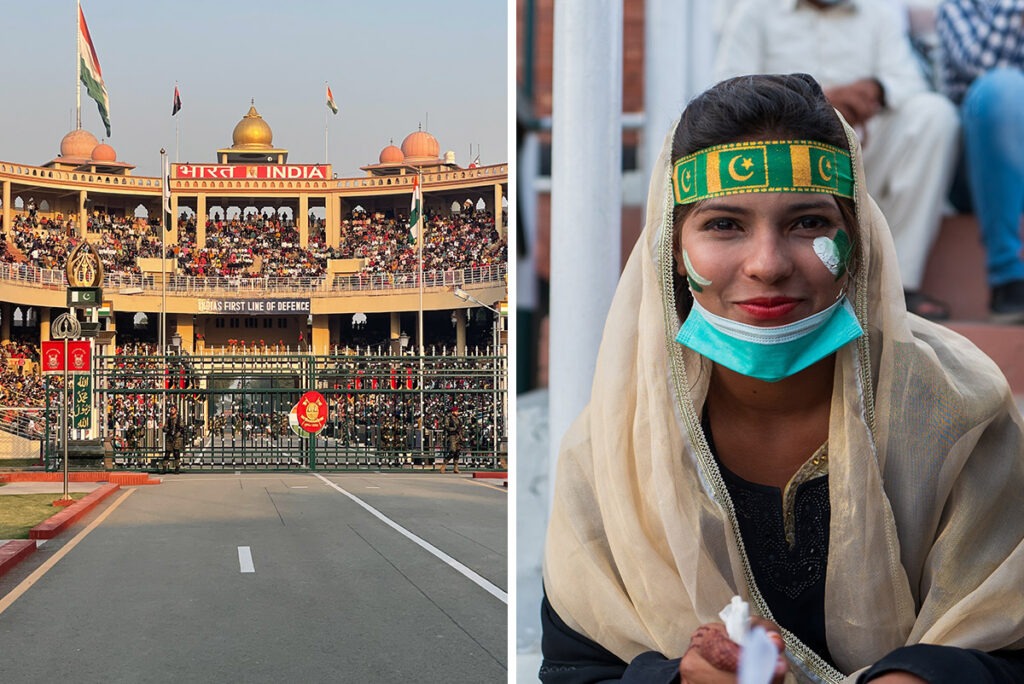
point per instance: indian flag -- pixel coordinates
(415, 210)
(91, 75)
(330, 100)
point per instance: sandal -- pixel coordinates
(925, 306)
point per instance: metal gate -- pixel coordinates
(235, 410)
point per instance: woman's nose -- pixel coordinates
(768, 258)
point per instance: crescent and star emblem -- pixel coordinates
(825, 168)
(747, 164)
(687, 186)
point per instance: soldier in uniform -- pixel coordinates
(174, 438)
(452, 439)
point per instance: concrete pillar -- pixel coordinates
(321, 333)
(112, 327)
(460, 331)
(201, 217)
(302, 220)
(185, 327)
(396, 332)
(586, 162)
(44, 323)
(8, 209)
(333, 229)
(6, 311)
(498, 223)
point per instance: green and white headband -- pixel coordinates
(763, 166)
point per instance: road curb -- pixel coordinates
(54, 525)
(126, 479)
(13, 552)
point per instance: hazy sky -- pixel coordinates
(392, 65)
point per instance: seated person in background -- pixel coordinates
(858, 52)
(766, 420)
(982, 48)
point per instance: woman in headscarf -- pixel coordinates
(768, 421)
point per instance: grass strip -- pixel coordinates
(19, 513)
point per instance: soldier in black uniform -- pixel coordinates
(452, 439)
(174, 438)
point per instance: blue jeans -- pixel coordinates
(993, 126)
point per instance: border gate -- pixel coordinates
(235, 410)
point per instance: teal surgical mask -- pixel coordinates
(769, 354)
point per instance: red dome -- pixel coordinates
(104, 153)
(391, 155)
(420, 145)
(78, 144)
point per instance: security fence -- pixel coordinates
(384, 412)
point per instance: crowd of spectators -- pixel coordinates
(262, 245)
(463, 240)
(21, 384)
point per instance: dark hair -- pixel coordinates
(760, 107)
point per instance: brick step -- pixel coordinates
(13, 552)
(126, 479)
(956, 274)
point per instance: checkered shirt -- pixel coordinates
(977, 36)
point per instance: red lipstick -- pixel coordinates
(768, 308)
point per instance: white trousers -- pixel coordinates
(909, 160)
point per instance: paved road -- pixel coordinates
(270, 578)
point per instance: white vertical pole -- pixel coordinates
(666, 86)
(420, 237)
(78, 69)
(586, 198)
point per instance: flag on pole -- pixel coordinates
(91, 75)
(167, 191)
(177, 102)
(415, 210)
(330, 100)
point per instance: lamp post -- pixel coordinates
(466, 297)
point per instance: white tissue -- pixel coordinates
(757, 658)
(736, 617)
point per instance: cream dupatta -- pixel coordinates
(926, 479)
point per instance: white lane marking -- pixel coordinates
(302, 487)
(372, 487)
(245, 559)
(481, 582)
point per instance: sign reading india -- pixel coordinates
(254, 306)
(250, 171)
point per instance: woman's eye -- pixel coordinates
(720, 224)
(813, 223)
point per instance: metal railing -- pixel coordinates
(384, 411)
(322, 286)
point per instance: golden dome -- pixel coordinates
(252, 132)
(391, 155)
(104, 153)
(420, 145)
(78, 144)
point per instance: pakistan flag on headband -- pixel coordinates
(793, 166)
(89, 65)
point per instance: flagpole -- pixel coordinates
(163, 290)
(176, 131)
(419, 243)
(326, 158)
(78, 67)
